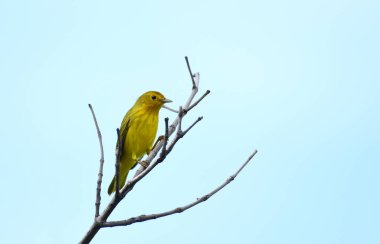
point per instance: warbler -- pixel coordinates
(137, 133)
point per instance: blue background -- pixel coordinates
(298, 80)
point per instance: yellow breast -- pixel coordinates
(141, 133)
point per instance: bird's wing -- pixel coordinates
(125, 124)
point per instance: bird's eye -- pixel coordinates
(154, 97)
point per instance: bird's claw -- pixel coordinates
(160, 138)
(144, 164)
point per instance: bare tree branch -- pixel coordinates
(101, 163)
(196, 102)
(181, 134)
(170, 109)
(143, 218)
(191, 126)
(192, 105)
(142, 172)
(180, 115)
(166, 138)
(191, 73)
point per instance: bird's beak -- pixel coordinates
(165, 100)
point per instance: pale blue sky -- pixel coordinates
(298, 80)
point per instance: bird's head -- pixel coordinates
(152, 99)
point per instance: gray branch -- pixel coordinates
(142, 172)
(170, 109)
(143, 218)
(101, 163)
(191, 73)
(181, 134)
(164, 152)
(196, 102)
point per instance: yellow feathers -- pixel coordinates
(137, 132)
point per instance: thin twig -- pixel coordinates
(170, 109)
(204, 198)
(117, 163)
(191, 126)
(191, 73)
(181, 134)
(164, 152)
(101, 163)
(180, 114)
(196, 102)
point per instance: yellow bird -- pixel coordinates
(137, 132)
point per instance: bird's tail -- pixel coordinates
(122, 178)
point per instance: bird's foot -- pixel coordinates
(144, 164)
